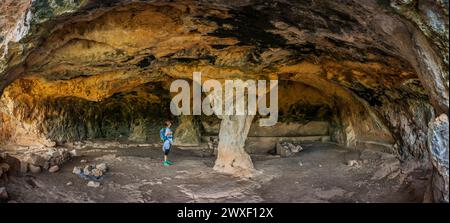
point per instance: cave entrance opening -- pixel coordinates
(104, 74)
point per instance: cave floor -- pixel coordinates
(319, 173)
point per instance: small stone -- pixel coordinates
(52, 152)
(3, 193)
(34, 169)
(96, 173)
(353, 163)
(300, 163)
(73, 153)
(102, 167)
(53, 169)
(87, 169)
(320, 165)
(93, 184)
(69, 183)
(296, 149)
(83, 161)
(76, 170)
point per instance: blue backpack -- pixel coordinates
(162, 134)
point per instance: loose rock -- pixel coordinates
(73, 153)
(87, 169)
(53, 169)
(102, 167)
(91, 172)
(77, 170)
(353, 163)
(93, 184)
(96, 173)
(286, 149)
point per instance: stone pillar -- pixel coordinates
(231, 157)
(234, 128)
(439, 151)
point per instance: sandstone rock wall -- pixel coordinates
(37, 119)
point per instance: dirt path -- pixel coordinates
(317, 174)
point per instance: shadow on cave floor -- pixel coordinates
(319, 173)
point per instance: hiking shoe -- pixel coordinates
(165, 163)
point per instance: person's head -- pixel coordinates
(168, 123)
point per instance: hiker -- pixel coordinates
(166, 135)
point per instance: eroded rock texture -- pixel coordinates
(375, 71)
(231, 157)
(188, 132)
(438, 144)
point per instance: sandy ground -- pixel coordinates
(319, 173)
